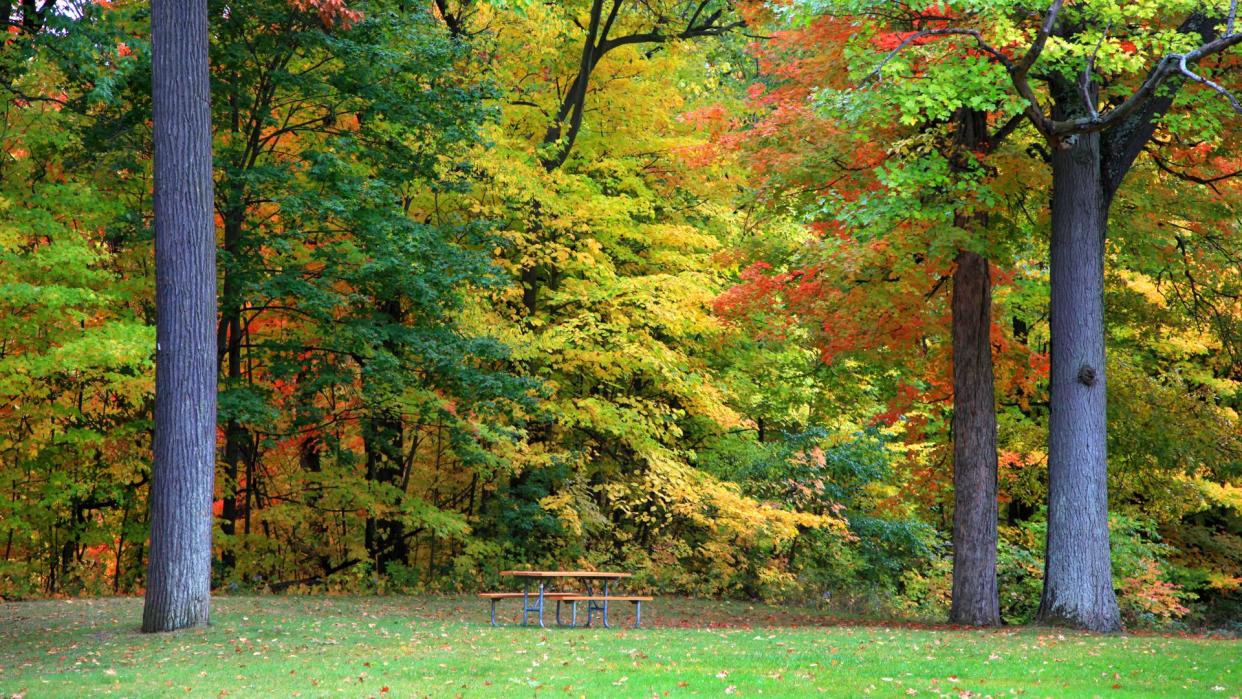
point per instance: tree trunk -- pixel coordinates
(1078, 588)
(975, 597)
(234, 434)
(179, 570)
(385, 538)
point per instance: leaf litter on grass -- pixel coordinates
(343, 646)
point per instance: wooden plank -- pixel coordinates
(596, 574)
(533, 595)
(609, 598)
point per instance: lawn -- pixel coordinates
(443, 647)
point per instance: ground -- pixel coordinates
(443, 647)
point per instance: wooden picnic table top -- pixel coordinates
(598, 574)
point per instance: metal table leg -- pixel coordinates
(541, 606)
(590, 605)
(594, 606)
(525, 600)
(528, 609)
(607, 592)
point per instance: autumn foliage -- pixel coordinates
(704, 336)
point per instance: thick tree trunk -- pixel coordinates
(179, 570)
(1078, 588)
(975, 597)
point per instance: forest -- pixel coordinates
(916, 309)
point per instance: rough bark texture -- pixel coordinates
(1087, 172)
(975, 598)
(179, 568)
(1078, 589)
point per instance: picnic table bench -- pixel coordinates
(533, 601)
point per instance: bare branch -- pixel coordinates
(1185, 70)
(19, 95)
(528, 103)
(1084, 83)
(709, 28)
(1018, 72)
(1041, 39)
(1005, 130)
(1169, 66)
(1189, 177)
(562, 132)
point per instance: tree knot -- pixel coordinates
(1086, 375)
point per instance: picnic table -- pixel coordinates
(533, 602)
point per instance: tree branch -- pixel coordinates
(947, 31)
(1089, 97)
(1023, 66)
(595, 47)
(1237, 106)
(1128, 137)
(1006, 129)
(1169, 66)
(1183, 175)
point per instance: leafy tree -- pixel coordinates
(935, 161)
(1099, 123)
(686, 308)
(338, 336)
(612, 240)
(75, 368)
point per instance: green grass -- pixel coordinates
(443, 647)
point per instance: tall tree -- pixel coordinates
(179, 568)
(341, 328)
(1104, 111)
(952, 231)
(975, 598)
(1091, 152)
(612, 243)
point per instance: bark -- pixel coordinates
(1078, 589)
(179, 566)
(1087, 171)
(975, 597)
(574, 103)
(310, 457)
